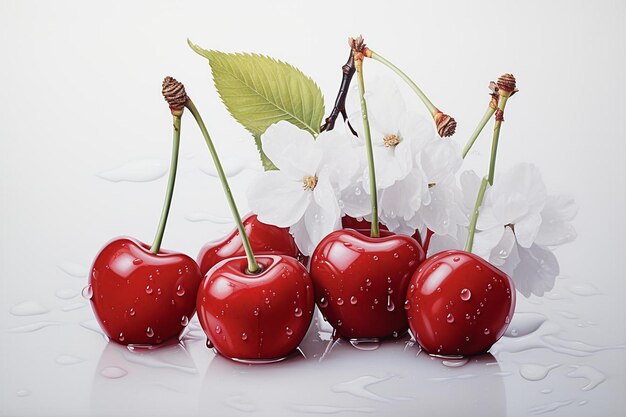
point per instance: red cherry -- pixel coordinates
(348, 222)
(140, 297)
(260, 316)
(361, 282)
(264, 238)
(459, 304)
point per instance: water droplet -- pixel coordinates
(467, 338)
(375, 257)
(267, 300)
(137, 261)
(323, 303)
(28, 308)
(244, 336)
(395, 255)
(347, 244)
(87, 292)
(218, 329)
(375, 300)
(407, 305)
(148, 289)
(22, 393)
(368, 282)
(357, 191)
(486, 331)
(255, 311)
(131, 312)
(209, 344)
(149, 332)
(466, 294)
(184, 321)
(339, 301)
(353, 300)
(158, 291)
(478, 267)
(390, 305)
(456, 259)
(113, 372)
(489, 286)
(503, 254)
(288, 331)
(507, 320)
(180, 291)
(450, 318)
(339, 323)
(120, 337)
(534, 372)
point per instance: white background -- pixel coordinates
(80, 94)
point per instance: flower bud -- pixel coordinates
(175, 95)
(446, 125)
(506, 85)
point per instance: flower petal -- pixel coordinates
(291, 149)
(527, 228)
(355, 202)
(302, 238)
(278, 199)
(536, 271)
(323, 215)
(555, 228)
(503, 249)
(486, 240)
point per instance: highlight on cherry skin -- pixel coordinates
(139, 297)
(260, 317)
(361, 282)
(348, 222)
(459, 304)
(265, 239)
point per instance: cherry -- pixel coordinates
(459, 304)
(264, 239)
(256, 317)
(361, 282)
(348, 222)
(140, 297)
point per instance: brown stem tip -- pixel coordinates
(446, 125)
(175, 95)
(359, 48)
(506, 85)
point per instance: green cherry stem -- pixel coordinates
(481, 125)
(496, 137)
(358, 46)
(446, 125)
(253, 266)
(156, 245)
(479, 202)
(506, 87)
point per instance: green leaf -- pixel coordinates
(259, 91)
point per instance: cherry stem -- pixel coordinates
(374, 231)
(481, 125)
(156, 245)
(496, 137)
(253, 266)
(429, 105)
(429, 235)
(472, 227)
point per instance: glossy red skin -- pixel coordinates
(281, 295)
(435, 291)
(347, 264)
(134, 289)
(265, 239)
(348, 222)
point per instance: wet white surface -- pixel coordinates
(74, 176)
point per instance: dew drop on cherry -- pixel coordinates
(486, 331)
(87, 292)
(209, 344)
(466, 294)
(244, 336)
(121, 337)
(353, 300)
(131, 312)
(148, 289)
(149, 332)
(323, 302)
(184, 321)
(297, 312)
(137, 261)
(218, 329)
(180, 291)
(339, 301)
(450, 318)
(456, 259)
(288, 331)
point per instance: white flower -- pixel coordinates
(302, 193)
(517, 226)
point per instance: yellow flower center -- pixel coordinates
(391, 140)
(309, 182)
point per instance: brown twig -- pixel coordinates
(348, 70)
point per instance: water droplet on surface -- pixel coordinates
(450, 318)
(486, 331)
(218, 329)
(466, 294)
(149, 332)
(339, 323)
(297, 312)
(323, 302)
(28, 308)
(137, 261)
(113, 372)
(368, 282)
(467, 339)
(22, 393)
(209, 344)
(591, 374)
(255, 311)
(390, 305)
(68, 360)
(131, 312)
(534, 372)
(148, 289)
(456, 259)
(288, 331)
(180, 291)
(244, 336)
(353, 300)
(267, 300)
(503, 254)
(507, 320)
(66, 294)
(87, 292)
(489, 286)
(395, 255)
(347, 244)
(120, 337)
(339, 301)
(184, 321)
(407, 305)
(375, 257)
